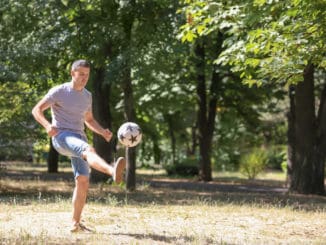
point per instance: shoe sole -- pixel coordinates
(119, 168)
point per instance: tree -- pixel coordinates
(279, 42)
(53, 159)
(15, 127)
(206, 104)
(215, 82)
(100, 31)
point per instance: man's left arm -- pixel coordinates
(93, 125)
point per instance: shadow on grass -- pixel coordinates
(25, 187)
(156, 238)
(37, 175)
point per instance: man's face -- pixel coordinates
(80, 76)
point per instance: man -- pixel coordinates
(71, 108)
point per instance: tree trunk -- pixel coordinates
(101, 110)
(130, 113)
(206, 111)
(157, 152)
(204, 161)
(172, 137)
(307, 167)
(291, 136)
(319, 167)
(130, 116)
(192, 149)
(53, 159)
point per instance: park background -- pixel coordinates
(219, 88)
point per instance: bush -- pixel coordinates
(16, 151)
(187, 167)
(284, 166)
(276, 155)
(2, 167)
(40, 151)
(253, 163)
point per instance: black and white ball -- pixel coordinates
(129, 134)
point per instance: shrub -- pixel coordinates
(40, 151)
(276, 155)
(187, 167)
(284, 166)
(2, 167)
(253, 163)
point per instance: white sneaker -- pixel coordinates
(119, 167)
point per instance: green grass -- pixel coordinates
(36, 210)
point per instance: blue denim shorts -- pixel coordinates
(73, 144)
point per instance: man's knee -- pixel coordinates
(82, 181)
(89, 150)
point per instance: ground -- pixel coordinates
(35, 209)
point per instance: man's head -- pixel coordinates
(80, 63)
(80, 70)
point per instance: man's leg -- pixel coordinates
(72, 144)
(79, 198)
(98, 163)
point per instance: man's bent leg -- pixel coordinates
(79, 197)
(75, 145)
(96, 162)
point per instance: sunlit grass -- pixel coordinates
(36, 211)
(203, 222)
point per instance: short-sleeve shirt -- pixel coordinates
(69, 106)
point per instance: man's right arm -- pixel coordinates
(38, 113)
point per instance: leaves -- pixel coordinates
(284, 36)
(189, 36)
(65, 2)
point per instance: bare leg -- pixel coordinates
(96, 162)
(79, 197)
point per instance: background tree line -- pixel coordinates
(206, 80)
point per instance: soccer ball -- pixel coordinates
(129, 134)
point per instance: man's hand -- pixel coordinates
(51, 131)
(107, 134)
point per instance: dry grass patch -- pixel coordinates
(37, 211)
(200, 223)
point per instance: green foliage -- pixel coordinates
(234, 134)
(40, 39)
(15, 121)
(186, 167)
(276, 156)
(253, 163)
(204, 17)
(284, 166)
(2, 168)
(40, 151)
(268, 40)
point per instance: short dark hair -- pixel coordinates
(80, 63)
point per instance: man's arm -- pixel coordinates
(38, 113)
(93, 125)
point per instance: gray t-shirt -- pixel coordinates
(68, 106)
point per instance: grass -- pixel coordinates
(35, 209)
